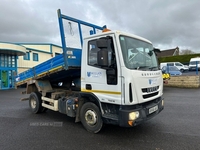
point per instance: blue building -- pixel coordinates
(19, 57)
(8, 63)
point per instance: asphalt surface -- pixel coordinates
(177, 127)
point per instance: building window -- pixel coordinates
(35, 57)
(27, 56)
(2, 61)
(13, 59)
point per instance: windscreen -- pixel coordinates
(138, 54)
(194, 62)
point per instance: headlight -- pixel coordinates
(134, 115)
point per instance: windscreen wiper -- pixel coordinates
(153, 68)
(141, 67)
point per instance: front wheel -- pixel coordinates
(91, 117)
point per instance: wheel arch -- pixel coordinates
(90, 97)
(85, 97)
(31, 88)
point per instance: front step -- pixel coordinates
(51, 101)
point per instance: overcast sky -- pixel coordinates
(166, 23)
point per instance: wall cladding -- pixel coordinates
(184, 81)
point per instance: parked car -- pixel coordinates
(194, 63)
(179, 65)
(172, 70)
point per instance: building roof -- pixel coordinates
(29, 43)
(168, 52)
(12, 49)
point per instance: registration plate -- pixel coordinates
(153, 109)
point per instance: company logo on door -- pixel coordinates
(94, 74)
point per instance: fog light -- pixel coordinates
(134, 115)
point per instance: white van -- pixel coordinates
(194, 62)
(179, 65)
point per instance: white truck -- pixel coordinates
(113, 79)
(194, 63)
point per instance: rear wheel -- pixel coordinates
(91, 117)
(182, 70)
(35, 103)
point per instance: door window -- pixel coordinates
(178, 64)
(92, 53)
(170, 64)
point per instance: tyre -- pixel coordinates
(91, 117)
(182, 70)
(35, 103)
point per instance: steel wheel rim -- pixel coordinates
(33, 103)
(90, 117)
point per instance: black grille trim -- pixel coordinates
(150, 89)
(130, 93)
(150, 95)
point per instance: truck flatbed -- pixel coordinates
(54, 69)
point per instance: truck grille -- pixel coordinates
(151, 89)
(150, 95)
(150, 92)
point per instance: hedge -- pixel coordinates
(185, 59)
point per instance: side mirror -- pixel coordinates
(102, 43)
(102, 55)
(102, 58)
(150, 53)
(156, 50)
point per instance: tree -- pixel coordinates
(186, 52)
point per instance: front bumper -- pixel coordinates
(193, 68)
(145, 112)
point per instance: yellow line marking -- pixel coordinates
(100, 91)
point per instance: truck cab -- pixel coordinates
(121, 71)
(194, 64)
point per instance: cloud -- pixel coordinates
(166, 23)
(21, 23)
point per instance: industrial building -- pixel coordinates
(18, 57)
